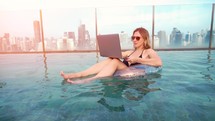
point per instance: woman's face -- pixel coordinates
(137, 40)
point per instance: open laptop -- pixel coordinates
(109, 45)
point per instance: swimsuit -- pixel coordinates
(126, 62)
(137, 69)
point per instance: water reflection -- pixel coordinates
(132, 89)
(113, 91)
(209, 56)
(45, 67)
(2, 84)
(111, 108)
(210, 68)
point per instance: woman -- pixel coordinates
(142, 54)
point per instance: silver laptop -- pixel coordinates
(109, 45)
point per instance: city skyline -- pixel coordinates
(69, 41)
(75, 28)
(56, 21)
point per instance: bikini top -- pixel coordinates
(126, 62)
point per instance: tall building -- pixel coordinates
(66, 42)
(162, 38)
(14, 45)
(197, 39)
(87, 40)
(176, 38)
(4, 45)
(27, 43)
(71, 35)
(156, 42)
(1, 44)
(125, 41)
(207, 37)
(81, 36)
(37, 34)
(6, 42)
(187, 39)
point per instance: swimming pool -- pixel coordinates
(32, 89)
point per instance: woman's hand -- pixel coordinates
(132, 60)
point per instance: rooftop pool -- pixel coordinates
(31, 89)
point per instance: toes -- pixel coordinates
(70, 81)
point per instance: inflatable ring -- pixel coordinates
(137, 70)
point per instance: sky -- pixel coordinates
(113, 16)
(35, 4)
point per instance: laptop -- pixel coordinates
(109, 45)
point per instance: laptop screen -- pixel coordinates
(109, 45)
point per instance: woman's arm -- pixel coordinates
(126, 53)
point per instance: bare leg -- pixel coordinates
(92, 70)
(106, 71)
(82, 81)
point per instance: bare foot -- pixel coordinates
(65, 76)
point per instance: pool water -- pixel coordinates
(31, 89)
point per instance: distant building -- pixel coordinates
(176, 38)
(66, 42)
(163, 41)
(197, 39)
(87, 40)
(1, 44)
(187, 39)
(6, 42)
(37, 34)
(51, 44)
(156, 41)
(84, 41)
(71, 35)
(81, 36)
(14, 45)
(125, 41)
(207, 37)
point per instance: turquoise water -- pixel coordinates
(31, 89)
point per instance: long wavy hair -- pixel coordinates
(145, 35)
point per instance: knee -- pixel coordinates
(109, 59)
(115, 60)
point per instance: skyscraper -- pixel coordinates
(197, 39)
(81, 36)
(176, 37)
(6, 42)
(1, 44)
(71, 35)
(163, 38)
(187, 39)
(37, 34)
(87, 39)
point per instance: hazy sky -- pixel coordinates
(111, 19)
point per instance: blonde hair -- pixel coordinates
(145, 35)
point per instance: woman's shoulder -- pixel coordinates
(149, 50)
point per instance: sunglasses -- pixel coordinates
(135, 37)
